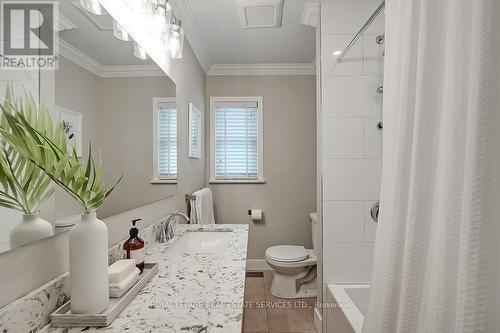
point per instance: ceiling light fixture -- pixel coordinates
(120, 33)
(139, 52)
(92, 6)
(336, 53)
(175, 39)
(162, 13)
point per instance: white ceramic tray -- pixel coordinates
(63, 317)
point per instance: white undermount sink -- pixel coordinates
(202, 241)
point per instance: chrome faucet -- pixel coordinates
(167, 231)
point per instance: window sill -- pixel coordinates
(163, 181)
(237, 181)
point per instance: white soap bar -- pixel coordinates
(120, 270)
(118, 289)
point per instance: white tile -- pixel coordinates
(18, 75)
(351, 179)
(352, 63)
(370, 225)
(20, 87)
(10, 218)
(4, 246)
(347, 262)
(343, 221)
(343, 137)
(352, 97)
(347, 16)
(373, 58)
(372, 138)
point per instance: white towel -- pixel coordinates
(202, 212)
(193, 218)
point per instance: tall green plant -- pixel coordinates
(24, 186)
(48, 149)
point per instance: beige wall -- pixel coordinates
(289, 194)
(31, 266)
(76, 89)
(126, 141)
(118, 121)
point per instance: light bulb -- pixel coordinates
(160, 19)
(120, 33)
(139, 52)
(92, 6)
(175, 41)
(336, 53)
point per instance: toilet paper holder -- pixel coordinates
(259, 214)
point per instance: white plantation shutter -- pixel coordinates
(167, 142)
(236, 136)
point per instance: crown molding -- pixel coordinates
(310, 16)
(182, 10)
(81, 59)
(132, 71)
(78, 57)
(263, 69)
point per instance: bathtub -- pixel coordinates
(347, 304)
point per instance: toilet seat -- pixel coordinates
(287, 253)
(311, 260)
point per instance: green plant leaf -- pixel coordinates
(31, 135)
(24, 186)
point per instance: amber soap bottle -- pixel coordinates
(134, 246)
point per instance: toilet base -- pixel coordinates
(297, 283)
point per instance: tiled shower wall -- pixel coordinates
(352, 143)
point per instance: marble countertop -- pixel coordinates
(194, 291)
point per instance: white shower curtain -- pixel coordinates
(436, 265)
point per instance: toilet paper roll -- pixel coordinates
(256, 214)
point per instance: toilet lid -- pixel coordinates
(289, 253)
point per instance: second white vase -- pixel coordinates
(30, 229)
(88, 265)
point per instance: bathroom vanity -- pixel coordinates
(199, 287)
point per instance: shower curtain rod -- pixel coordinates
(360, 32)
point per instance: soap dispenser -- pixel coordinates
(134, 246)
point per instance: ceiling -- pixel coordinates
(96, 41)
(217, 24)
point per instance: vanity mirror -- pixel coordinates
(121, 98)
(106, 91)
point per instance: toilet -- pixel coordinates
(294, 267)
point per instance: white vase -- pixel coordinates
(30, 229)
(88, 265)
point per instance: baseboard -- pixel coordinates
(257, 265)
(318, 324)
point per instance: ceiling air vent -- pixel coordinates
(261, 13)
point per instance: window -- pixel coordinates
(236, 135)
(164, 140)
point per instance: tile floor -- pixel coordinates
(265, 313)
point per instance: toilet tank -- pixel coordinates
(313, 218)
